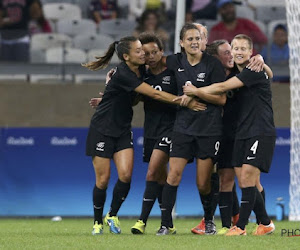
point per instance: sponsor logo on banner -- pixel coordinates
(63, 141)
(283, 141)
(140, 140)
(20, 141)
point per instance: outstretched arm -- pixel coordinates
(163, 96)
(217, 88)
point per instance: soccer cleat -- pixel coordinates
(236, 231)
(172, 230)
(163, 231)
(223, 231)
(234, 219)
(97, 229)
(200, 229)
(113, 223)
(210, 227)
(139, 227)
(254, 229)
(265, 229)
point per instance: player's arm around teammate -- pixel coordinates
(255, 139)
(194, 136)
(110, 134)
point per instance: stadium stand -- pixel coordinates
(73, 27)
(44, 41)
(96, 41)
(117, 27)
(57, 11)
(66, 55)
(268, 13)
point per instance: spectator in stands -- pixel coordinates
(103, 9)
(38, 23)
(230, 26)
(200, 9)
(150, 22)
(279, 50)
(14, 19)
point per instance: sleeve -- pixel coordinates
(250, 78)
(218, 73)
(126, 79)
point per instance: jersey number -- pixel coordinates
(254, 147)
(167, 140)
(157, 87)
(217, 147)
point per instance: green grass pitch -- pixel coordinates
(75, 233)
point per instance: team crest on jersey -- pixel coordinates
(166, 80)
(100, 146)
(200, 77)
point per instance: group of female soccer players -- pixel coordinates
(191, 130)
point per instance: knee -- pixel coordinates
(151, 175)
(246, 180)
(174, 178)
(125, 177)
(102, 182)
(204, 187)
(226, 183)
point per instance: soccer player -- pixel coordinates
(255, 133)
(158, 126)
(109, 135)
(195, 135)
(221, 49)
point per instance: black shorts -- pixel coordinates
(200, 147)
(162, 144)
(256, 151)
(104, 146)
(225, 155)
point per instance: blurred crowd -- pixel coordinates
(21, 20)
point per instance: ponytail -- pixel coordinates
(102, 61)
(120, 47)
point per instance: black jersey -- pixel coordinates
(255, 115)
(231, 109)
(159, 116)
(114, 113)
(208, 71)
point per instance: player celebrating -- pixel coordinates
(158, 125)
(195, 135)
(255, 133)
(109, 135)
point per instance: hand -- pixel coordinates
(109, 75)
(189, 89)
(184, 100)
(192, 104)
(256, 63)
(94, 102)
(196, 106)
